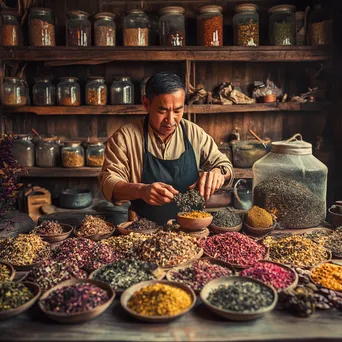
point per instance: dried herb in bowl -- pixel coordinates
(48, 228)
(5, 273)
(13, 295)
(92, 225)
(226, 218)
(142, 225)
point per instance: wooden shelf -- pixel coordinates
(57, 172)
(64, 55)
(195, 109)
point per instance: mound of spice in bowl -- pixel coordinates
(295, 250)
(195, 214)
(241, 297)
(13, 295)
(25, 249)
(52, 272)
(334, 242)
(101, 255)
(142, 225)
(199, 273)
(328, 275)
(234, 248)
(189, 200)
(5, 273)
(159, 300)
(271, 274)
(259, 218)
(92, 225)
(48, 228)
(125, 273)
(226, 218)
(75, 298)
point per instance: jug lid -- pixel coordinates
(295, 145)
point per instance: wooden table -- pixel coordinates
(198, 325)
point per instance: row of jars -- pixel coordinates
(68, 92)
(138, 29)
(49, 152)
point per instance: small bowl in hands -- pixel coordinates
(35, 290)
(218, 229)
(193, 224)
(97, 237)
(258, 231)
(82, 316)
(67, 229)
(156, 319)
(10, 268)
(124, 229)
(236, 315)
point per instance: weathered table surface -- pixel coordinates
(198, 325)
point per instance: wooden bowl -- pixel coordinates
(25, 268)
(11, 269)
(124, 229)
(198, 234)
(218, 229)
(212, 260)
(335, 219)
(97, 237)
(233, 315)
(34, 288)
(158, 273)
(67, 229)
(78, 317)
(131, 290)
(258, 231)
(294, 283)
(193, 224)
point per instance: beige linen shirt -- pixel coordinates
(124, 153)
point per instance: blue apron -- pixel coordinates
(180, 173)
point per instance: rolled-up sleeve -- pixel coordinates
(115, 167)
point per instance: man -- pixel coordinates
(150, 162)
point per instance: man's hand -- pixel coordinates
(209, 182)
(158, 193)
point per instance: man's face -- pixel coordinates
(165, 111)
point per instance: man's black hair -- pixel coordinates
(163, 83)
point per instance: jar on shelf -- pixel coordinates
(15, 92)
(96, 91)
(172, 26)
(136, 28)
(68, 92)
(47, 152)
(41, 27)
(122, 91)
(24, 150)
(44, 92)
(95, 153)
(210, 26)
(320, 26)
(104, 29)
(10, 30)
(143, 88)
(72, 154)
(78, 29)
(246, 25)
(282, 25)
(291, 183)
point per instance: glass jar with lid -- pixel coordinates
(24, 150)
(95, 153)
(246, 25)
(68, 92)
(44, 92)
(72, 154)
(282, 25)
(172, 26)
(15, 92)
(122, 91)
(210, 26)
(47, 152)
(78, 29)
(96, 91)
(136, 28)
(41, 27)
(292, 184)
(320, 26)
(10, 30)
(104, 29)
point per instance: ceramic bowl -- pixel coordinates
(218, 229)
(75, 198)
(11, 269)
(258, 231)
(124, 229)
(131, 290)
(193, 224)
(97, 237)
(67, 229)
(169, 274)
(20, 309)
(234, 315)
(78, 317)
